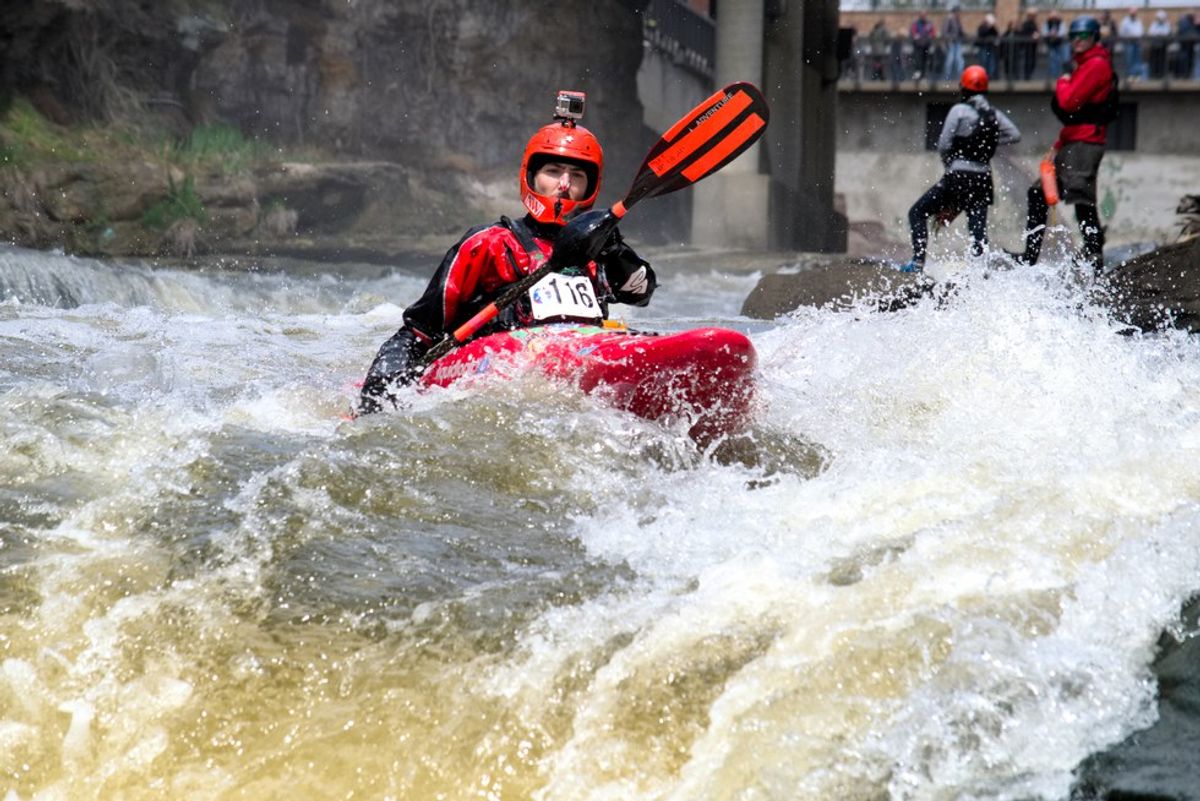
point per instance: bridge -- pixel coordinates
(887, 111)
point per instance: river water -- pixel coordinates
(939, 570)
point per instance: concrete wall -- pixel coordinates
(895, 121)
(882, 166)
(799, 145)
(668, 91)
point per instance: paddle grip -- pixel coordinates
(583, 238)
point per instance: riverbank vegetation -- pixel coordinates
(128, 184)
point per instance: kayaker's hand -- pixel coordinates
(582, 239)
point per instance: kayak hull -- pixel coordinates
(705, 375)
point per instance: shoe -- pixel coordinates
(912, 266)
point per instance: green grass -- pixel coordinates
(27, 136)
(222, 146)
(181, 202)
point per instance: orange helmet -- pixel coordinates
(974, 79)
(567, 142)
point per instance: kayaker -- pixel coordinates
(559, 178)
(972, 131)
(1085, 102)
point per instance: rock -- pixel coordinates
(325, 197)
(1149, 291)
(182, 238)
(837, 282)
(422, 110)
(216, 189)
(1158, 763)
(1160, 288)
(279, 222)
(230, 223)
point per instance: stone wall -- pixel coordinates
(442, 94)
(447, 83)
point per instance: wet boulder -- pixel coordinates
(1157, 289)
(835, 282)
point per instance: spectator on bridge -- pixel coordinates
(985, 44)
(1132, 31)
(1028, 36)
(952, 34)
(972, 131)
(922, 34)
(879, 40)
(851, 65)
(1185, 29)
(1057, 53)
(896, 65)
(1159, 31)
(1009, 53)
(1108, 30)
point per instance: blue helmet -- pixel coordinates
(1087, 25)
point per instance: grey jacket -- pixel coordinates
(961, 121)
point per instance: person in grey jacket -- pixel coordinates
(969, 138)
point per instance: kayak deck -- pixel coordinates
(705, 374)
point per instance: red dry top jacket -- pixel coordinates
(1090, 83)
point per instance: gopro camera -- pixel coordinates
(569, 105)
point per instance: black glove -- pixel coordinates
(582, 239)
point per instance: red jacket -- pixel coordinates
(1089, 83)
(489, 258)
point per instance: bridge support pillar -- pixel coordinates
(732, 207)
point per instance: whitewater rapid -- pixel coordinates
(944, 578)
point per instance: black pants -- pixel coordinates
(1035, 228)
(953, 193)
(1076, 165)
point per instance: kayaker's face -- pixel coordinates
(1081, 44)
(559, 179)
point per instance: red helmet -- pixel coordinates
(974, 79)
(567, 142)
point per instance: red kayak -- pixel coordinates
(706, 374)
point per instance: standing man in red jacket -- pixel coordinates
(1085, 101)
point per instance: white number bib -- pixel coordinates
(564, 296)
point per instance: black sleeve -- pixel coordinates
(426, 315)
(629, 277)
(397, 364)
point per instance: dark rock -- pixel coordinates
(1150, 291)
(425, 110)
(401, 82)
(1159, 763)
(1157, 289)
(836, 282)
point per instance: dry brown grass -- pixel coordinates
(1189, 210)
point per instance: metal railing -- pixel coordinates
(686, 37)
(1116, 6)
(898, 59)
(915, 5)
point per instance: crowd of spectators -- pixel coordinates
(1027, 49)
